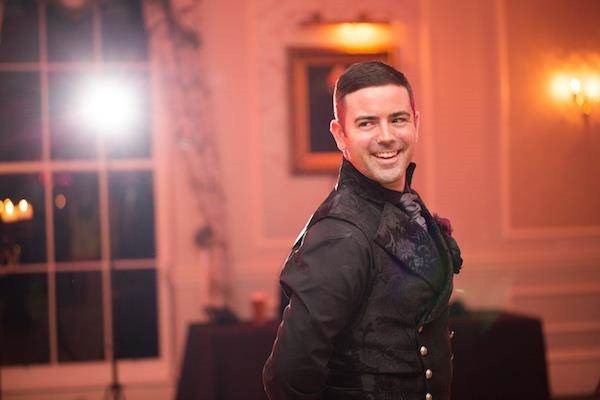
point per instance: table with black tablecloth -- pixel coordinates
(497, 356)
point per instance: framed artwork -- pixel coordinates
(312, 77)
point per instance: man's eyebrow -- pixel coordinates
(401, 114)
(365, 118)
(396, 114)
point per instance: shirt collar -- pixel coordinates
(367, 188)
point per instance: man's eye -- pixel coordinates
(365, 124)
(399, 120)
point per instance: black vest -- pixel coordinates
(397, 347)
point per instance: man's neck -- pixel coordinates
(397, 186)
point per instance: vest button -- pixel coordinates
(423, 350)
(428, 396)
(428, 374)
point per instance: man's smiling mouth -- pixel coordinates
(386, 154)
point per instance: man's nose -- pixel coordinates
(385, 133)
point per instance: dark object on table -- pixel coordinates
(221, 316)
(457, 309)
(498, 356)
(225, 362)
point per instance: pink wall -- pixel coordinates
(552, 154)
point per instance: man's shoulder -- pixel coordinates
(331, 229)
(350, 210)
(329, 243)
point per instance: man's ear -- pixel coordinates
(337, 131)
(417, 124)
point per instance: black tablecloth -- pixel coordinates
(497, 356)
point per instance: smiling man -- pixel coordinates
(370, 276)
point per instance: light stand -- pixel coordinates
(114, 391)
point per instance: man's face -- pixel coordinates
(379, 134)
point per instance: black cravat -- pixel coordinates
(413, 209)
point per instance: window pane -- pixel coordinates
(19, 33)
(135, 328)
(70, 138)
(123, 32)
(69, 33)
(135, 140)
(22, 231)
(79, 316)
(131, 214)
(20, 116)
(76, 221)
(24, 337)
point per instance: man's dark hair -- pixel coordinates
(367, 74)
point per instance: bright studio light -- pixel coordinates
(109, 106)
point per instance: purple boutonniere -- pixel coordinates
(444, 224)
(446, 228)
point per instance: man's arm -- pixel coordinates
(325, 279)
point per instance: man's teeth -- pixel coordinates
(386, 154)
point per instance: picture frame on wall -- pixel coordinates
(312, 77)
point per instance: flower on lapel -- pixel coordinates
(446, 228)
(444, 224)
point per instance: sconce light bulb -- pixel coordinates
(560, 88)
(592, 88)
(23, 205)
(9, 207)
(575, 86)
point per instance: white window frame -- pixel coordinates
(55, 376)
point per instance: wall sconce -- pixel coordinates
(9, 212)
(582, 91)
(74, 4)
(362, 35)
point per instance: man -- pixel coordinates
(370, 276)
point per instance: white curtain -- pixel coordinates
(176, 47)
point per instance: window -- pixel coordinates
(78, 279)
